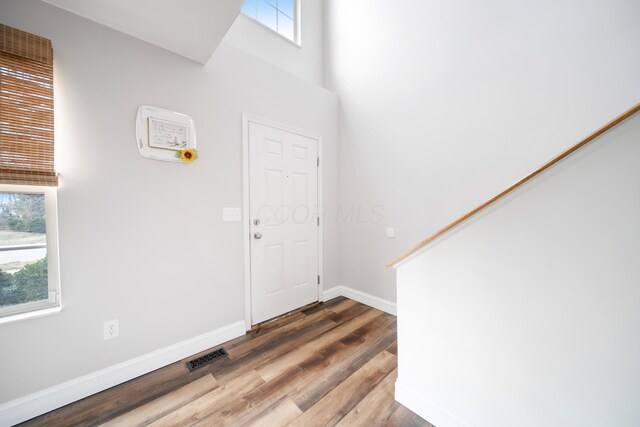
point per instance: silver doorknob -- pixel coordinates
(258, 235)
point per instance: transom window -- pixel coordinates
(279, 15)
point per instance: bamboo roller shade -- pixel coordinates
(26, 109)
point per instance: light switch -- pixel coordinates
(231, 214)
(391, 232)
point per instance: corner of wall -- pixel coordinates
(362, 297)
(427, 408)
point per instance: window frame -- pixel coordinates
(54, 303)
(297, 39)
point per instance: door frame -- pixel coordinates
(246, 220)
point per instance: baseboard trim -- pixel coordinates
(32, 405)
(363, 297)
(427, 408)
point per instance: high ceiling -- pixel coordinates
(191, 28)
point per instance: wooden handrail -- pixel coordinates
(533, 174)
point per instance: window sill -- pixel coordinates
(45, 311)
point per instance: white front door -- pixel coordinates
(283, 204)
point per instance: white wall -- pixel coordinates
(528, 315)
(194, 29)
(445, 103)
(140, 240)
(305, 61)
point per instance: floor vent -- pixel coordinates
(206, 359)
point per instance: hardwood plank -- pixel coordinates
(329, 304)
(403, 417)
(117, 400)
(280, 413)
(339, 366)
(330, 364)
(255, 401)
(211, 402)
(270, 325)
(157, 408)
(279, 335)
(253, 334)
(347, 311)
(376, 407)
(278, 322)
(393, 348)
(274, 368)
(226, 370)
(323, 305)
(338, 305)
(335, 356)
(337, 403)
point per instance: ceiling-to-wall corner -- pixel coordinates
(304, 59)
(190, 28)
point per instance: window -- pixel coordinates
(28, 218)
(279, 15)
(28, 271)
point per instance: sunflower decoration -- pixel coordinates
(187, 155)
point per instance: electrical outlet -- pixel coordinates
(111, 329)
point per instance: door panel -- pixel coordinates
(283, 197)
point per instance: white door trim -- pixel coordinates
(246, 220)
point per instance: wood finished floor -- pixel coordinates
(334, 364)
